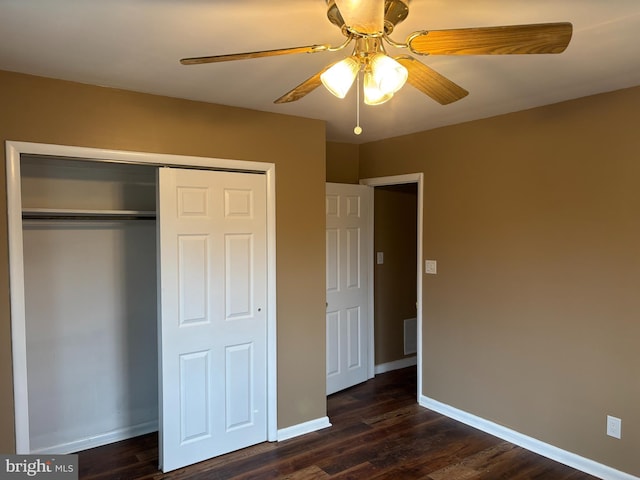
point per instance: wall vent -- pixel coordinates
(410, 336)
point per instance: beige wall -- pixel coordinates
(50, 111)
(342, 162)
(395, 236)
(533, 320)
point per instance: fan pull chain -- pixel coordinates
(358, 129)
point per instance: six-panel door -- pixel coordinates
(212, 345)
(347, 217)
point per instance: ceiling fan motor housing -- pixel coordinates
(395, 11)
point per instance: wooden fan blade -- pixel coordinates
(430, 82)
(513, 39)
(306, 87)
(363, 16)
(247, 55)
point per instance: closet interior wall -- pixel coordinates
(90, 301)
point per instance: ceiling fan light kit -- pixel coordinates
(382, 78)
(369, 23)
(339, 78)
(373, 94)
(387, 73)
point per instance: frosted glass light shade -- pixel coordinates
(373, 95)
(339, 78)
(388, 74)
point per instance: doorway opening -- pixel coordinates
(395, 290)
(401, 190)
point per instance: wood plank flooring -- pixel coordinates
(378, 432)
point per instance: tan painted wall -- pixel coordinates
(533, 320)
(395, 280)
(342, 162)
(50, 111)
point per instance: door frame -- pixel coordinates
(417, 178)
(16, 259)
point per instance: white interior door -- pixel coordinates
(348, 322)
(213, 326)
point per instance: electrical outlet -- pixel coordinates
(380, 258)
(614, 427)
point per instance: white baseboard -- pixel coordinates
(303, 428)
(134, 431)
(554, 453)
(99, 440)
(395, 365)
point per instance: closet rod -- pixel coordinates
(30, 213)
(28, 216)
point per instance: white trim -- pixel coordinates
(303, 428)
(16, 265)
(370, 294)
(396, 365)
(16, 282)
(272, 302)
(141, 158)
(100, 440)
(397, 180)
(554, 453)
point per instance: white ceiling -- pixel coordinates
(136, 45)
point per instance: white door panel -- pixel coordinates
(347, 256)
(213, 355)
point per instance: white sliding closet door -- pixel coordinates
(213, 325)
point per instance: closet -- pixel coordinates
(98, 353)
(89, 250)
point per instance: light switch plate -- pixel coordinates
(430, 267)
(380, 258)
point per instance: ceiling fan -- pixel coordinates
(368, 24)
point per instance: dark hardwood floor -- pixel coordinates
(378, 432)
